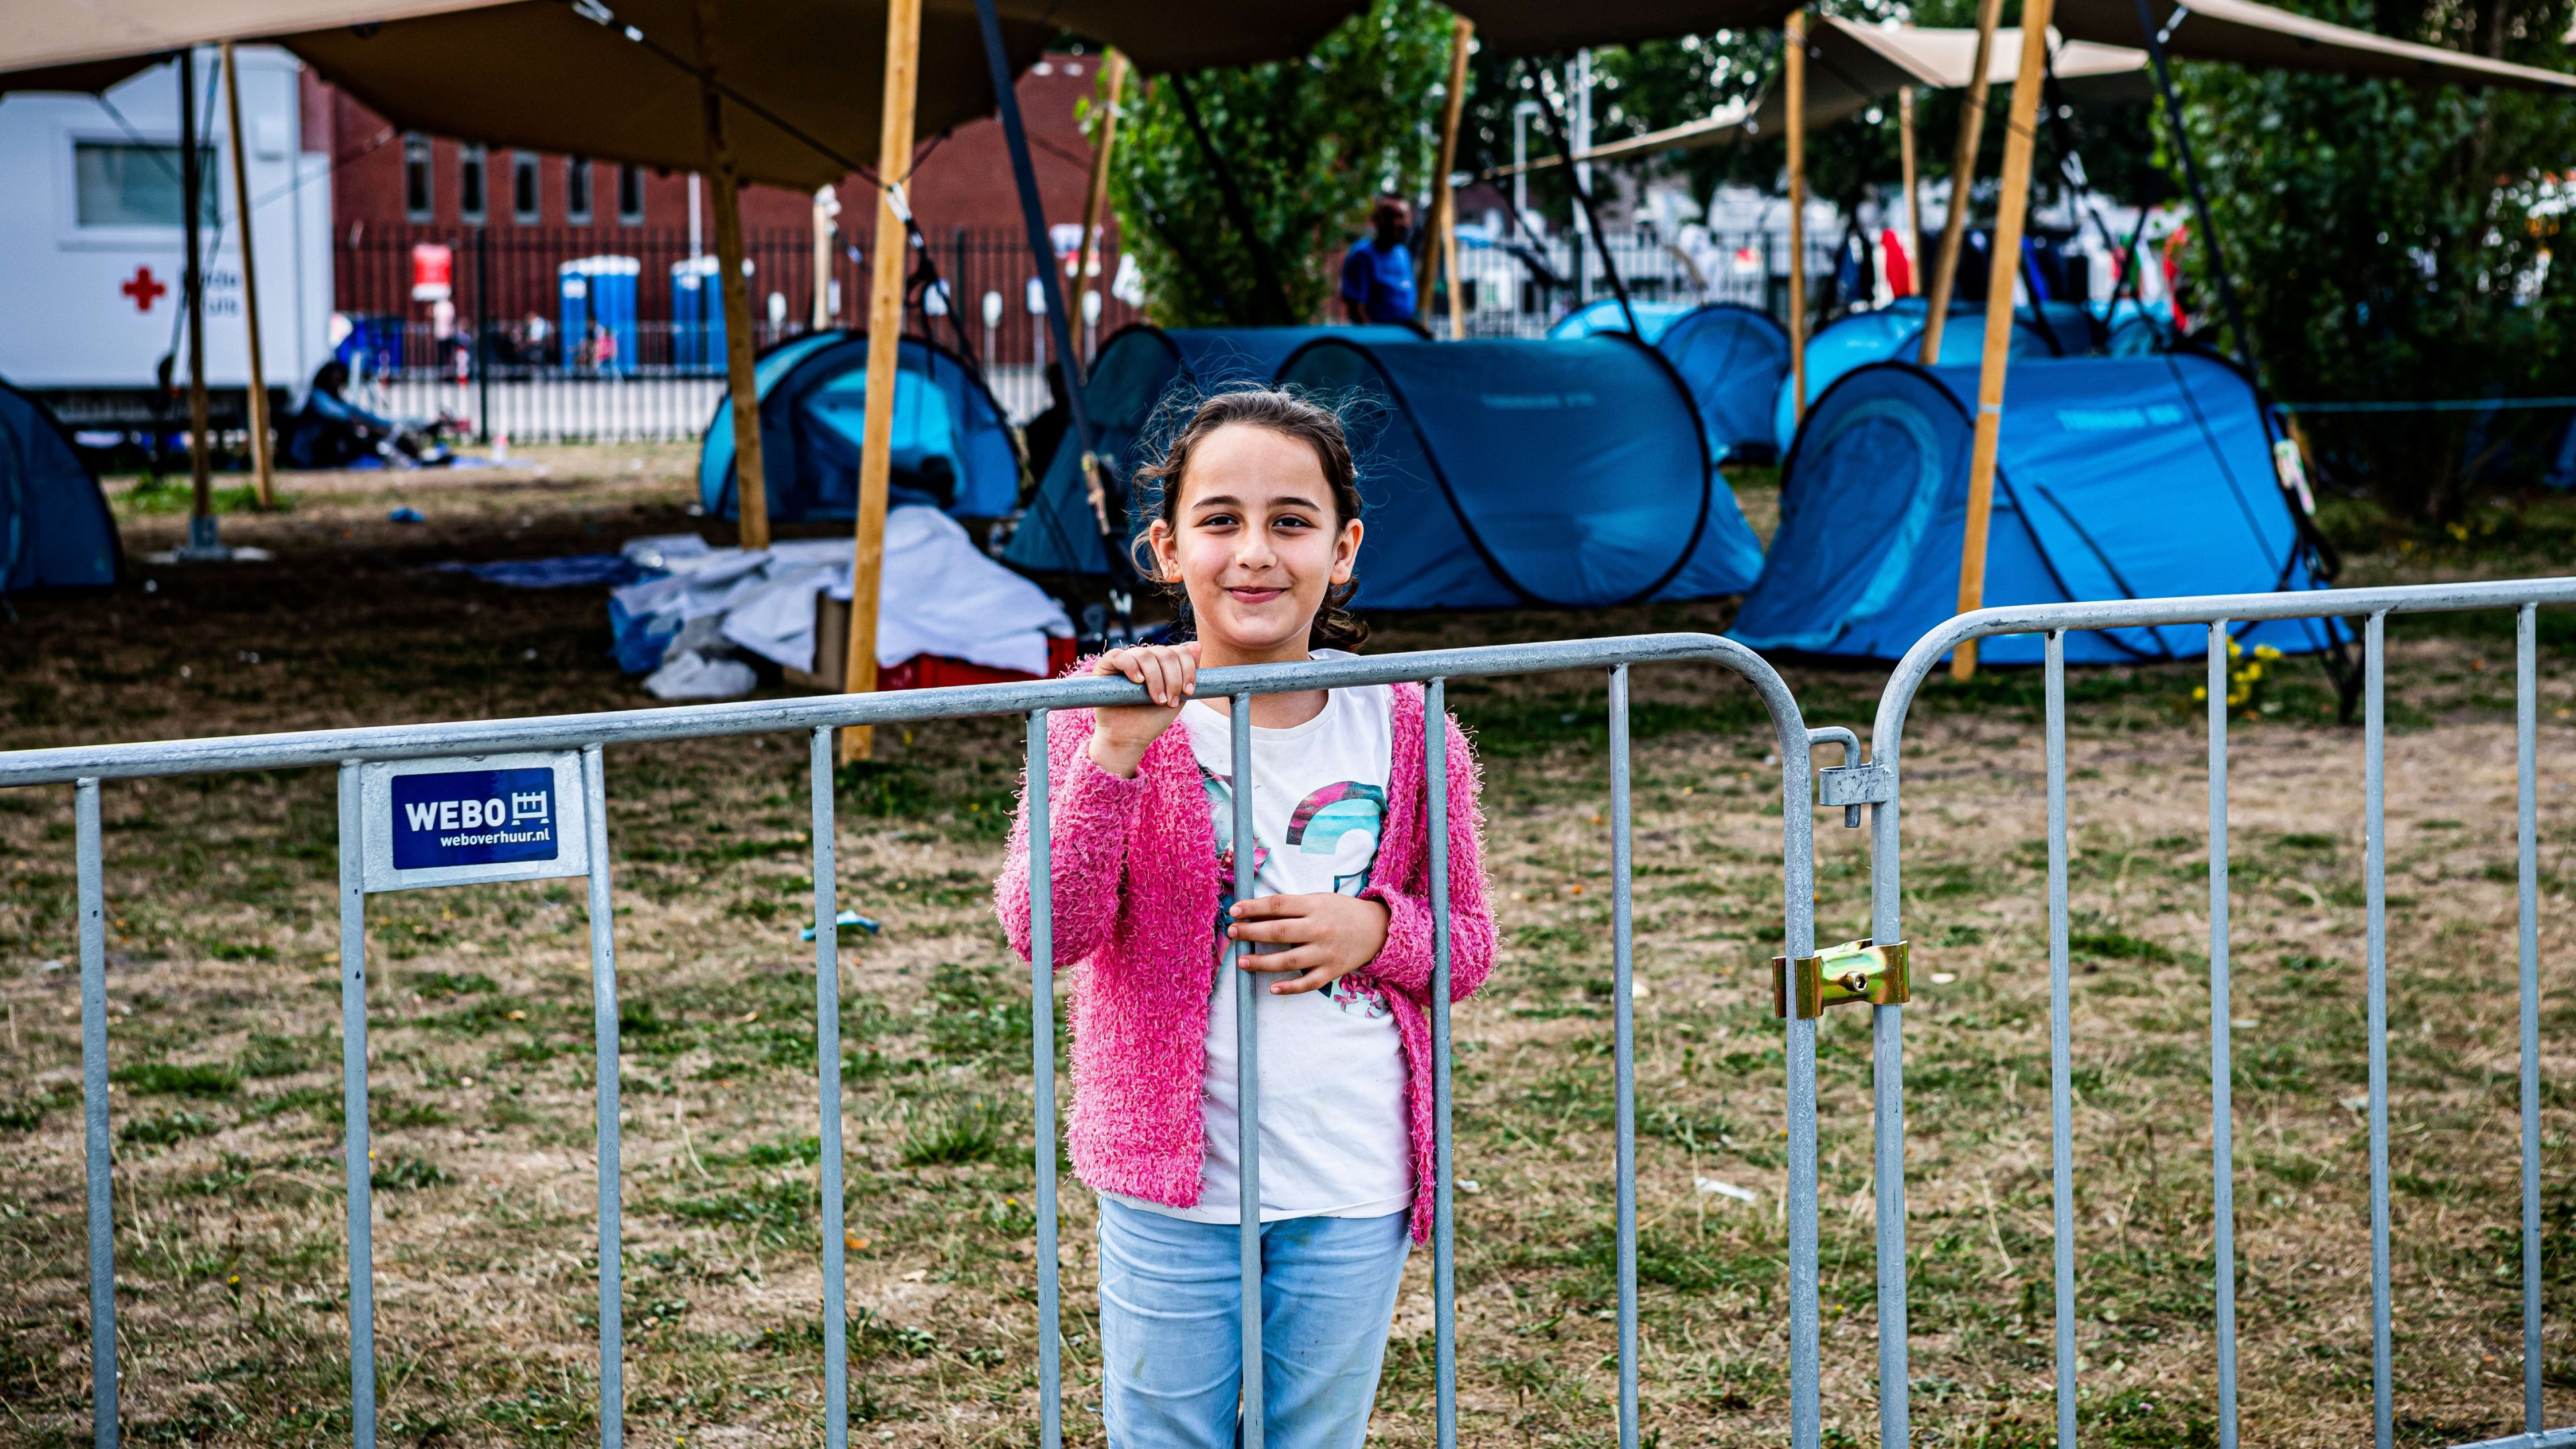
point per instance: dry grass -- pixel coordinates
(230, 1226)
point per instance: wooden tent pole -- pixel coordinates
(1437, 237)
(824, 206)
(1913, 199)
(1794, 67)
(751, 491)
(259, 445)
(1095, 201)
(2019, 136)
(1449, 260)
(1963, 179)
(885, 334)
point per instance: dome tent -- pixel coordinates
(2117, 478)
(1730, 356)
(1571, 473)
(1134, 373)
(952, 443)
(55, 528)
(1606, 315)
(1893, 334)
(1732, 359)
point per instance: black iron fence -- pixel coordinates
(618, 332)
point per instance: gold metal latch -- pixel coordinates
(1854, 971)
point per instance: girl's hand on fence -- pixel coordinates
(1120, 733)
(1328, 937)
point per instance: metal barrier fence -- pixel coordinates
(522, 778)
(1878, 785)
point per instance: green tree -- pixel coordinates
(2393, 241)
(1308, 143)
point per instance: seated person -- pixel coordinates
(329, 431)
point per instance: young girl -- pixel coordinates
(1258, 530)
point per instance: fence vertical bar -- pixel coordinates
(1042, 1061)
(827, 1070)
(91, 853)
(2222, 1134)
(1887, 1122)
(2061, 1087)
(1798, 882)
(1444, 1260)
(603, 1017)
(2526, 731)
(1247, 1080)
(1624, 1050)
(353, 1110)
(2375, 887)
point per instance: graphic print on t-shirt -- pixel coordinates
(1343, 821)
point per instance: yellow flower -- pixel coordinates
(2200, 692)
(2251, 673)
(2266, 652)
(2234, 648)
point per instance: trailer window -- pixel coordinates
(577, 191)
(118, 183)
(417, 197)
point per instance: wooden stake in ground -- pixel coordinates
(1913, 197)
(885, 330)
(1963, 180)
(201, 511)
(1095, 200)
(825, 208)
(1438, 237)
(751, 491)
(2020, 134)
(1794, 71)
(259, 444)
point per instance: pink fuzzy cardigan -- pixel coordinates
(1135, 906)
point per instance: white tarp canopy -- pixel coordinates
(1850, 66)
(2266, 37)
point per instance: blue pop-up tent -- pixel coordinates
(1141, 384)
(952, 443)
(1730, 356)
(1570, 472)
(2117, 478)
(1890, 334)
(1606, 315)
(55, 528)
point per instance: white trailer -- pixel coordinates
(93, 255)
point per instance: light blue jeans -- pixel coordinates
(1171, 1333)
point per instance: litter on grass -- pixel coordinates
(845, 920)
(1711, 1187)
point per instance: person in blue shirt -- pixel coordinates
(1377, 276)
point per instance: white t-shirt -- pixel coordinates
(1334, 1138)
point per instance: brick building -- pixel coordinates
(385, 178)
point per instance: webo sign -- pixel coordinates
(483, 818)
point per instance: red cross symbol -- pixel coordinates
(143, 289)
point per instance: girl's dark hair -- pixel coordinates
(1290, 416)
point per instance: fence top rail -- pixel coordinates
(1886, 732)
(310, 748)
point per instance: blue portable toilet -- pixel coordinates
(2117, 478)
(697, 316)
(55, 528)
(1141, 381)
(1569, 473)
(952, 442)
(1891, 334)
(598, 293)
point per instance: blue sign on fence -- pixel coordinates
(469, 818)
(474, 817)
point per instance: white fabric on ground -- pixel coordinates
(939, 595)
(695, 676)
